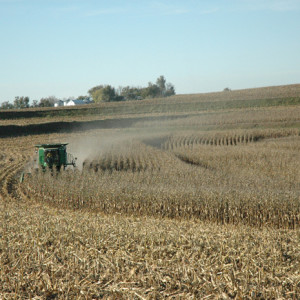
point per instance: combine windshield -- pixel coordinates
(52, 157)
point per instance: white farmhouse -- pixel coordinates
(74, 102)
(77, 102)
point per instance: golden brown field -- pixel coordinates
(202, 206)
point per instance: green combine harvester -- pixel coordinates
(52, 156)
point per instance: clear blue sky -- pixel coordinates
(65, 47)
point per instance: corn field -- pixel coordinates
(250, 179)
(205, 206)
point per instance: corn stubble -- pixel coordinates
(55, 253)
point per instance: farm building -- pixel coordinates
(59, 103)
(73, 102)
(77, 102)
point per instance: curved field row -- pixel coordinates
(5, 174)
(228, 138)
(9, 179)
(248, 118)
(15, 154)
(11, 164)
(173, 143)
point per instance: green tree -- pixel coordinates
(131, 93)
(48, 101)
(170, 90)
(82, 97)
(21, 102)
(103, 93)
(6, 105)
(152, 91)
(95, 88)
(161, 83)
(166, 89)
(35, 103)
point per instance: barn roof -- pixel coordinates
(78, 102)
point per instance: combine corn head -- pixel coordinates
(53, 156)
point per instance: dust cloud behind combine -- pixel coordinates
(87, 143)
(90, 143)
(94, 144)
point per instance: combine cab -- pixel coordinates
(52, 156)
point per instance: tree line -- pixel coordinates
(107, 93)
(102, 93)
(24, 102)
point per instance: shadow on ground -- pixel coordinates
(64, 127)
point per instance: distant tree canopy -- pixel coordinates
(6, 105)
(21, 102)
(227, 89)
(107, 93)
(48, 101)
(82, 97)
